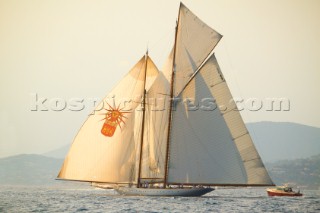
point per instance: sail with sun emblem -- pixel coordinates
(106, 147)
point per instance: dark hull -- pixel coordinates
(192, 192)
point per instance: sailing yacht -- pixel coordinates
(174, 132)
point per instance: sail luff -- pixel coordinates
(171, 101)
(143, 118)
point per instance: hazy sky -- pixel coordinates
(81, 49)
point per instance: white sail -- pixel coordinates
(96, 157)
(206, 146)
(255, 170)
(156, 128)
(195, 41)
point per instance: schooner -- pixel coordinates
(174, 132)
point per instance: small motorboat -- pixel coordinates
(283, 191)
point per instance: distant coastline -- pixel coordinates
(290, 151)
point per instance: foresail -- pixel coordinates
(209, 143)
(195, 41)
(106, 147)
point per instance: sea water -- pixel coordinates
(51, 199)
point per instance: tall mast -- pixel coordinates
(143, 115)
(171, 103)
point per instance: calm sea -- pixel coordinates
(46, 199)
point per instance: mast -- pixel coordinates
(143, 115)
(171, 103)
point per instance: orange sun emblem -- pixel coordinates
(113, 118)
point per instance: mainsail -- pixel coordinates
(209, 142)
(178, 126)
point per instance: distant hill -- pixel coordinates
(41, 171)
(284, 141)
(274, 141)
(59, 153)
(304, 173)
(30, 170)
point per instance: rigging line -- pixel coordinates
(159, 139)
(152, 127)
(93, 181)
(171, 102)
(135, 82)
(165, 35)
(149, 123)
(160, 142)
(233, 75)
(163, 50)
(143, 116)
(158, 133)
(148, 140)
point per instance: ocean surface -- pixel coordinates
(51, 199)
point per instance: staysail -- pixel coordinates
(156, 128)
(93, 156)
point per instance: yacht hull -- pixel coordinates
(192, 192)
